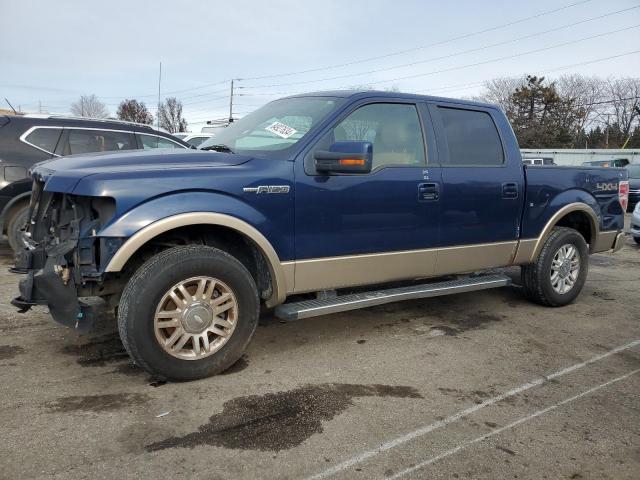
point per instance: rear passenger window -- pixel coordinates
(89, 141)
(472, 138)
(44, 138)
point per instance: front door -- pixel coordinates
(369, 228)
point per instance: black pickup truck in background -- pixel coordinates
(29, 139)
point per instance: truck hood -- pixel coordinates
(62, 174)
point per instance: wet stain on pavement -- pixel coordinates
(241, 364)
(472, 321)
(279, 421)
(98, 352)
(477, 396)
(10, 351)
(96, 403)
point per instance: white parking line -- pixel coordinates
(463, 413)
(508, 427)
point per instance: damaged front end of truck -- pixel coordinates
(60, 257)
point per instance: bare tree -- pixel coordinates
(89, 106)
(499, 90)
(170, 115)
(585, 94)
(624, 94)
(134, 111)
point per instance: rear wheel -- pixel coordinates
(16, 222)
(559, 273)
(188, 313)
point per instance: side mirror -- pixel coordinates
(345, 157)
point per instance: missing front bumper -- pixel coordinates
(47, 287)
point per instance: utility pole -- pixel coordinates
(606, 137)
(159, 84)
(231, 103)
(39, 106)
(14, 110)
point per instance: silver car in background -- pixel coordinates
(635, 223)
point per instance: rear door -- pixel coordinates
(481, 198)
(374, 227)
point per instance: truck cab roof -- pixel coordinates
(382, 94)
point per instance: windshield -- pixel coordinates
(276, 127)
(634, 171)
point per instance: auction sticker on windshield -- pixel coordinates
(280, 129)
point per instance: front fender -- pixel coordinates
(163, 214)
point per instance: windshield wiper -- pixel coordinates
(218, 148)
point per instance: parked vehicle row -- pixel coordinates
(308, 194)
(28, 139)
(634, 185)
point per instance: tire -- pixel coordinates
(149, 291)
(537, 277)
(637, 239)
(15, 223)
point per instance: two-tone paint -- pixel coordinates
(321, 231)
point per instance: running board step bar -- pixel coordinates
(313, 308)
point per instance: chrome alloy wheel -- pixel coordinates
(565, 268)
(195, 318)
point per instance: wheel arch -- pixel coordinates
(146, 235)
(578, 216)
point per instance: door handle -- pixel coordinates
(510, 190)
(428, 192)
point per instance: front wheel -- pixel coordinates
(637, 239)
(188, 313)
(559, 273)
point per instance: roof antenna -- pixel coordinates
(14, 110)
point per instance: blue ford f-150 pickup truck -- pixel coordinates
(312, 198)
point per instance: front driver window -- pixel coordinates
(392, 128)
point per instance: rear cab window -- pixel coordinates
(472, 138)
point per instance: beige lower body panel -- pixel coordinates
(469, 258)
(336, 272)
(353, 270)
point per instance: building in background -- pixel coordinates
(579, 156)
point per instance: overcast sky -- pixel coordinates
(54, 51)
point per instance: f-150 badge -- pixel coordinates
(267, 189)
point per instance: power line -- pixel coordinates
(479, 83)
(413, 49)
(508, 57)
(442, 57)
(172, 91)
